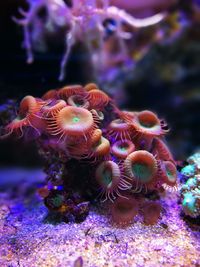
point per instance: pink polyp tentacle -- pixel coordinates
(51, 119)
(22, 133)
(54, 130)
(125, 183)
(85, 137)
(52, 123)
(141, 186)
(127, 177)
(119, 14)
(28, 46)
(52, 127)
(100, 194)
(9, 132)
(22, 22)
(105, 199)
(30, 124)
(121, 40)
(120, 195)
(129, 135)
(60, 138)
(37, 116)
(23, 12)
(25, 23)
(121, 187)
(112, 195)
(69, 43)
(137, 185)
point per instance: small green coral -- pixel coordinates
(192, 182)
(189, 204)
(190, 191)
(188, 170)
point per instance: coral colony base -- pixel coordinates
(96, 152)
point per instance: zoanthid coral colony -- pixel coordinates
(95, 151)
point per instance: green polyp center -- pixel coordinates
(141, 171)
(57, 201)
(122, 148)
(170, 174)
(79, 102)
(107, 177)
(76, 119)
(147, 124)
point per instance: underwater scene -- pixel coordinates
(100, 133)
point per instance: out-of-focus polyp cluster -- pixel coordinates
(79, 20)
(93, 148)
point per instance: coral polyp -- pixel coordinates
(147, 123)
(72, 123)
(121, 149)
(78, 101)
(123, 210)
(27, 117)
(94, 151)
(101, 148)
(98, 99)
(169, 174)
(68, 91)
(109, 177)
(161, 150)
(151, 212)
(141, 167)
(53, 107)
(119, 129)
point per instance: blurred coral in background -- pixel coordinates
(190, 189)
